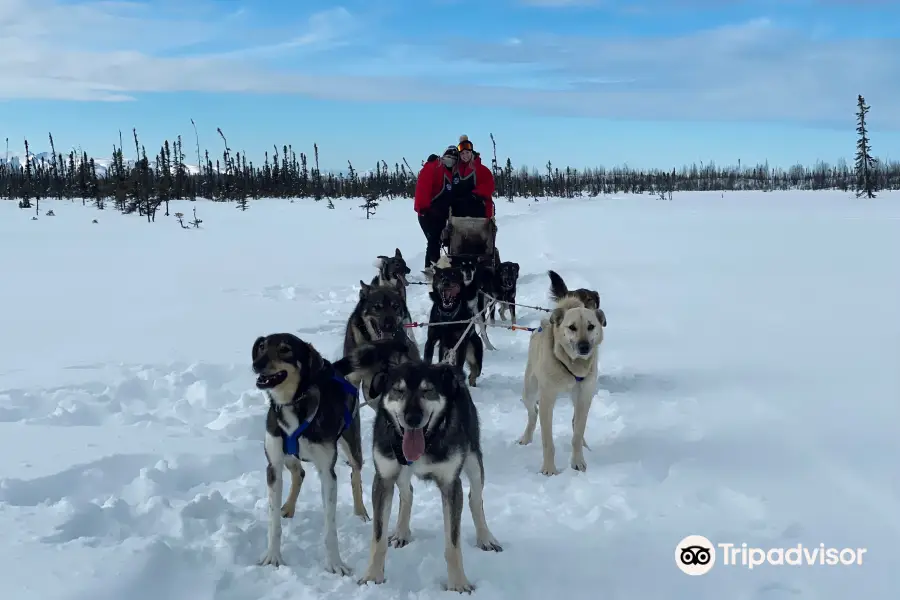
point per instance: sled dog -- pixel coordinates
(478, 279)
(379, 314)
(504, 289)
(562, 357)
(312, 408)
(559, 290)
(426, 425)
(392, 270)
(450, 304)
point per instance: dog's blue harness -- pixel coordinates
(291, 443)
(577, 378)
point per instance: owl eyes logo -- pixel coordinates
(695, 555)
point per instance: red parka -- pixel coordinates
(435, 180)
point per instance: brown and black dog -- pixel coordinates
(590, 298)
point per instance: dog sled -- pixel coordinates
(471, 237)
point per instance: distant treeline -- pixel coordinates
(145, 184)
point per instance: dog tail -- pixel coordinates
(558, 288)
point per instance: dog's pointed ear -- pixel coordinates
(364, 289)
(596, 297)
(556, 316)
(259, 348)
(397, 253)
(382, 257)
(601, 316)
(516, 267)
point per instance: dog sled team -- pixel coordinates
(426, 423)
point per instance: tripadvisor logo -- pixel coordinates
(696, 555)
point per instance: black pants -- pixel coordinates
(467, 205)
(432, 226)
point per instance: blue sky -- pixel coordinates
(647, 83)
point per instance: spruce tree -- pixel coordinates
(865, 163)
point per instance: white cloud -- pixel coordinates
(110, 50)
(756, 70)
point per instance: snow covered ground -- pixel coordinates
(750, 393)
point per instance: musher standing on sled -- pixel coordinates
(457, 180)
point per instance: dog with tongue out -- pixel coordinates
(413, 444)
(426, 425)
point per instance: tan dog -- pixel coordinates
(562, 357)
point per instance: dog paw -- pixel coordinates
(489, 545)
(363, 515)
(524, 440)
(377, 579)
(287, 511)
(272, 558)
(579, 464)
(400, 539)
(338, 568)
(459, 584)
(549, 470)
(473, 382)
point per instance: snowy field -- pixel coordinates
(750, 393)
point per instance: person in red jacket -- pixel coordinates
(473, 194)
(434, 194)
(457, 181)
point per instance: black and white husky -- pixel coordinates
(478, 280)
(312, 408)
(426, 425)
(380, 314)
(450, 302)
(392, 270)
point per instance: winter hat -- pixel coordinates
(450, 157)
(465, 144)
